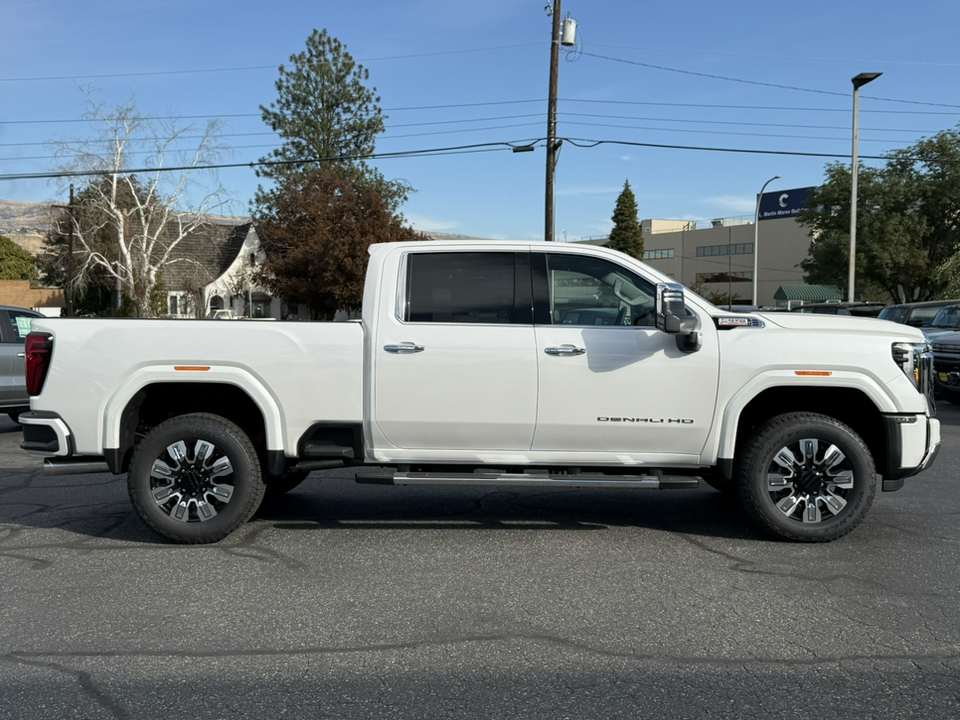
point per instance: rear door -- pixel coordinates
(455, 365)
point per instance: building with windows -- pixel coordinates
(718, 260)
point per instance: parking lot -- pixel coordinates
(355, 601)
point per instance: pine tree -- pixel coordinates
(326, 116)
(627, 235)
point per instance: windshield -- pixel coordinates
(948, 317)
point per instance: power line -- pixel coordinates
(784, 57)
(429, 152)
(693, 106)
(434, 133)
(248, 68)
(758, 82)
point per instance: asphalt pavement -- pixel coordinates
(357, 601)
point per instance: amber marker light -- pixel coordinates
(191, 368)
(813, 373)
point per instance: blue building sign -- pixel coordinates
(783, 203)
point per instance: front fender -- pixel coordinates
(777, 379)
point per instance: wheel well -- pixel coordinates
(158, 402)
(848, 405)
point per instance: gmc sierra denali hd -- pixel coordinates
(491, 363)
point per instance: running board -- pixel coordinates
(638, 482)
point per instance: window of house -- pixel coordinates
(173, 303)
(461, 287)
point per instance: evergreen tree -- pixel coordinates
(15, 262)
(325, 115)
(627, 235)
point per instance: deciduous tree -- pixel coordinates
(131, 224)
(908, 223)
(315, 238)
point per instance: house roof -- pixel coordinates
(205, 255)
(809, 293)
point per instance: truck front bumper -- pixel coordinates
(913, 442)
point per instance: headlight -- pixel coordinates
(916, 362)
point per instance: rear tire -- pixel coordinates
(195, 478)
(807, 477)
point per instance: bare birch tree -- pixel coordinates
(145, 196)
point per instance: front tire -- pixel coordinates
(807, 477)
(195, 478)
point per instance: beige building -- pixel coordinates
(719, 260)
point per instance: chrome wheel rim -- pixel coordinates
(192, 481)
(810, 480)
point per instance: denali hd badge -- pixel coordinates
(652, 421)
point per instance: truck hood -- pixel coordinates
(814, 322)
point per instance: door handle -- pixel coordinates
(21, 354)
(565, 350)
(403, 348)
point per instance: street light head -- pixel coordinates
(863, 78)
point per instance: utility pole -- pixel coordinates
(552, 144)
(68, 280)
(70, 268)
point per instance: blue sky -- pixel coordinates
(744, 75)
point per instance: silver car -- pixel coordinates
(14, 326)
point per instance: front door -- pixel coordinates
(455, 360)
(610, 382)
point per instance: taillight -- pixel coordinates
(38, 349)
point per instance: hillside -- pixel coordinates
(26, 223)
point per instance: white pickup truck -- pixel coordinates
(532, 364)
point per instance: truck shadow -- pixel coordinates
(97, 507)
(703, 512)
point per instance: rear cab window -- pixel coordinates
(491, 288)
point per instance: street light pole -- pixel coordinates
(756, 239)
(858, 82)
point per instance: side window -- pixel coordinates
(465, 287)
(20, 324)
(584, 290)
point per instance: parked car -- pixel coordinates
(221, 315)
(14, 326)
(859, 309)
(916, 314)
(947, 320)
(946, 366)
